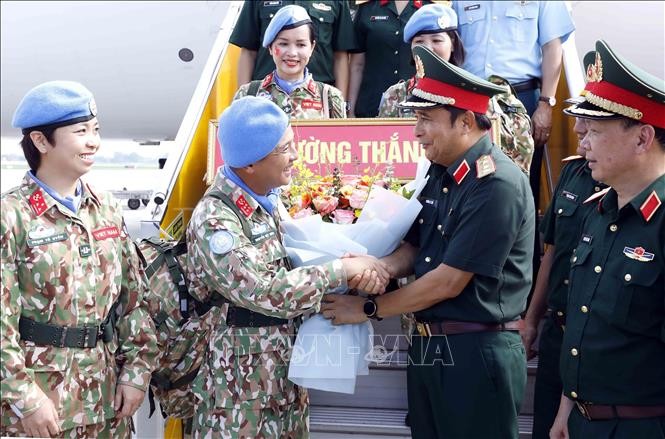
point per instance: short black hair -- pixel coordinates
(482, 120)
(458, 54)
(30, 151)
(659, 132)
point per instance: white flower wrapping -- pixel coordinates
(327, 357)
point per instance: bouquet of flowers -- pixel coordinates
(328, 217)
(338, 198)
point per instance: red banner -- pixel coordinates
(352, 145)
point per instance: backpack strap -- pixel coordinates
(254, 87)
(324, 92)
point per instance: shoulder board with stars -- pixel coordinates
(597, 195)
(485, 166)
(461, 171)
(570, 158)
(650, 206)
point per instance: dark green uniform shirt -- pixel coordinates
(479, 224)
(380, 35)
(614, 344)
(562, 223)
(334, 28)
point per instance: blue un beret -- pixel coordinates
(54, 104)
(431, 18)
(290, 15)
(249, 129)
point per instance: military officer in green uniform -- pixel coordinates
(613, 348)
(560, 227)
(236, 258)
(471, 251)
(334, 37)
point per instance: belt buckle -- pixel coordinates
(423, 329)
(582, 408)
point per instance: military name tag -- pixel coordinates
(272, 3)
(472, 7)
(321, 7)
(378, 18)
(569, 195)
(106, 232)
(587, 239)
(85, 251)
(309, 103)
(47, 240)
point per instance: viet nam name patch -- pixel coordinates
(106, 233)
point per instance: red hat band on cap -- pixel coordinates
(457, 97)
(607, 96)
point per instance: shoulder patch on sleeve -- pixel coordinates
(221, 242)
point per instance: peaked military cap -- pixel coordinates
(288, 17)
(617, 88)
(54, 104)
(441, 83)
(430, 19)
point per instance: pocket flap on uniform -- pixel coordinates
(522, 12)
(640, 273)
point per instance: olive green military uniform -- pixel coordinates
(613, 348)
(477, 220)
(243, 387)
(310, 100)
(332, 21)
(561, 227)
(68, 269)
(379, 32)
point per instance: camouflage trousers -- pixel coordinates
(111, 429)
(280, 422)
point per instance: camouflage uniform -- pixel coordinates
(514, 130)
(304, 102)
(69, 269)
(243, 386)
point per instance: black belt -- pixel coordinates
(65, 336)
(529, 84)
(242, 317)
(453, 327)
(593, 412)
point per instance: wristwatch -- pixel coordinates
(551, 100)
(370, 308)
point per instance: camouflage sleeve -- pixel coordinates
(137, 340)
(241, 92)
(389, 100)
(18, 388)
(245, 277)
(337, 103)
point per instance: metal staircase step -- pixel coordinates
(356, 423)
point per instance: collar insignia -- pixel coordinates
(244, 206)
(37, 202)
(638, 254)
(267, 80)
(650, 206)
(485, 166)
(461, 172)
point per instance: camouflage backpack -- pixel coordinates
(511, 125)
(183, 323)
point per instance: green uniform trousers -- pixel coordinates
(581, 428)
(466, 386)
(548, 380)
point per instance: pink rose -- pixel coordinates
(341, 216)
(303, 213)
(358, 198)
(325, 204)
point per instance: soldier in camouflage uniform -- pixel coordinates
(235, 250)
(435, 26)
(67, 262)
(290, 40)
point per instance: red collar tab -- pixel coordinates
(417, 3)
(650, 206)
(646, 110)
(311, 86)
(383, 2)
(37, 202)
(244, 206)
(463, 99)
(267, 80)
(461, 171)
(596, 196)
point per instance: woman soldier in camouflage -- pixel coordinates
(77, 345)
(290, 39)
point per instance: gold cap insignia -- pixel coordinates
(420, 68)
(594, 73)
